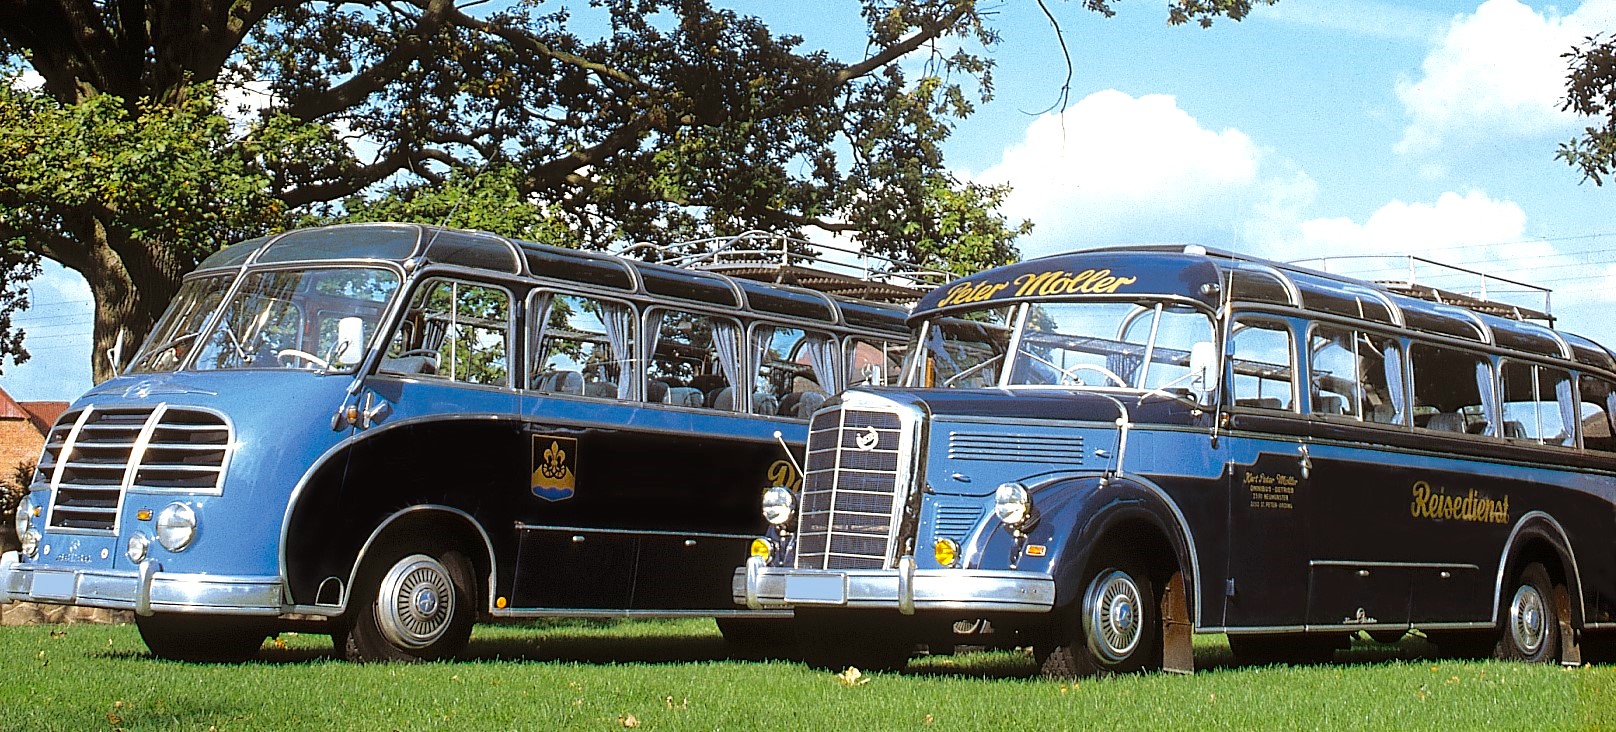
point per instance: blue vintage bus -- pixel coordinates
(389, 431)
(1100, 453)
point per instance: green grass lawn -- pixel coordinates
(676, 675)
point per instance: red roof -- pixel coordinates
(44, 414)
(41, 414)
(10, 409)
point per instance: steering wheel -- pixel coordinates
(1071, 373)
(288, 357)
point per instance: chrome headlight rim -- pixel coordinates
(139, 547)
(176, 526)
(778, 505)
(1012, 504)
(23, 521)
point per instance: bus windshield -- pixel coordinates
(1128, 345)
(319, 318)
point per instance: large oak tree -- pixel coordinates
(645, 120)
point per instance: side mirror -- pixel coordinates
(350, 340)
(1204, 369)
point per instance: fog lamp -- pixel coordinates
(762, 548)
(1012, 504)
(139, 547)
(176, 526)
(777, 505)
(30, 543)
(946, 552)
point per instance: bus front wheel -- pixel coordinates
(413, 606)
(201, 638)
(1117, 626)
(1531, 619)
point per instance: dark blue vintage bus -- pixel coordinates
(1100, 453)
(389, 431)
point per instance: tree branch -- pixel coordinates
(368, 81)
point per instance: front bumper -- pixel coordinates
(907, 589)
(147, 591)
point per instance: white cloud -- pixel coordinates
(1366, 18)
(1113, 168)
(1496, 73)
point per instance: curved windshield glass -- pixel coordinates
(320, 319)
(175, 334)
(1101, 344)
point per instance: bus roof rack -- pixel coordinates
(1444, 283)
(827, 267)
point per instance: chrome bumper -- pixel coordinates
(147, 591)
(906, 589)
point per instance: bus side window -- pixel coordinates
(877, 362)
(791, 362)
(1264, 368)
(696, 356)
(1598, 403)
(1537, 404)
(584, 348)
(1453, 390)
(454, 330)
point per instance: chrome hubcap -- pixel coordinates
(1528, 624)
(1111, 616)
(416, 602)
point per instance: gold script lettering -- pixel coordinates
(1436, 504)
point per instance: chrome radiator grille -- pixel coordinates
(92, 456)
(850, 492)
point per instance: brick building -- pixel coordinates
(23, 426)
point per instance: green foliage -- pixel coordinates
(171, 176)
(685, 121)
(1591, 92)
(488, 201)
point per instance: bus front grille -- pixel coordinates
(92, 456)
(851, 494)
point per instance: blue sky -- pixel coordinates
(1313, 128)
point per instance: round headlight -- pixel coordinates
(777, 505)
(24, 520)
(30, 543)
(139, 547)
(1012, 504)
(176, 526)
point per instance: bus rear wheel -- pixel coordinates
(202, 638)
(1531, 619)
(414, 606)
(1117, 628)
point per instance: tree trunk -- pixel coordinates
(129, 296)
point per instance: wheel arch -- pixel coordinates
(1538, 537)
(1128, 513)
(443, 522)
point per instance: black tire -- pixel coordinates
(203, 639)
(1530, 619)
(840, 640)
(411, 605)
(1113, 627)
(759, 637)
